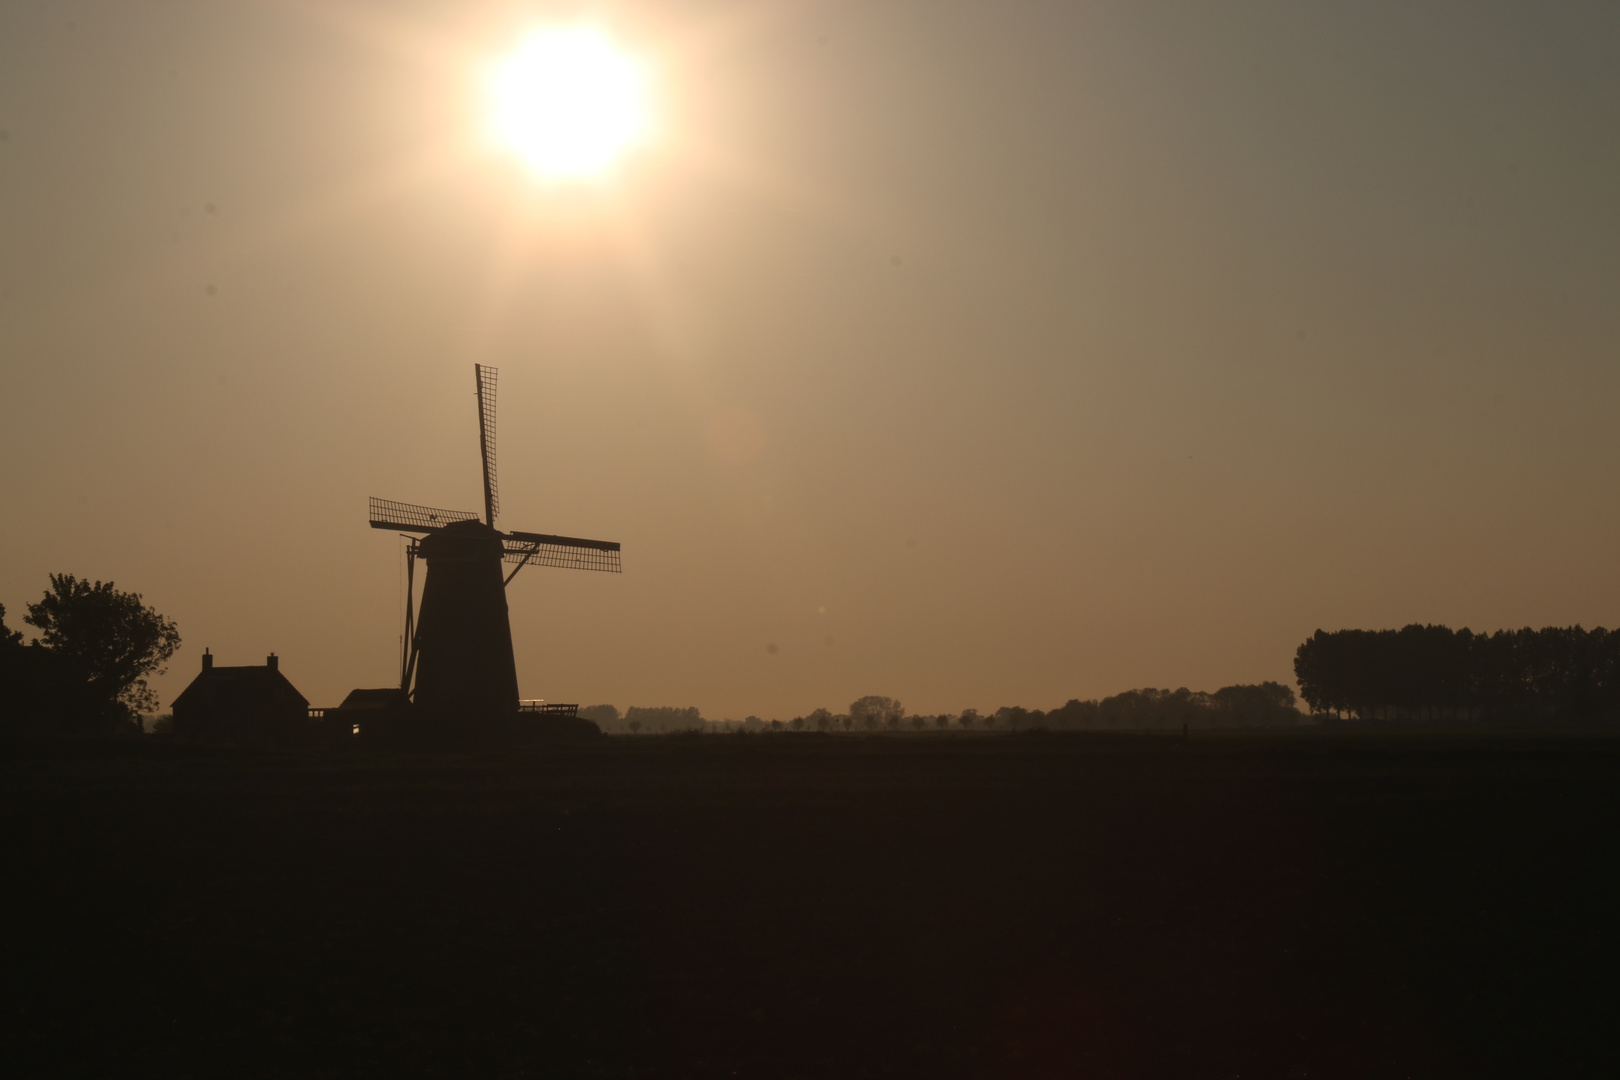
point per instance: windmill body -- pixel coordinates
(464, 635)
(458, 648)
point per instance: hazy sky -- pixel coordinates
(969, 353)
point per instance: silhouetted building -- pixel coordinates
(255, 700)
(368, 707)
(388, 699)
(466, 663)
(460, 644)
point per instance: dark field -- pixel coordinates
(1301, 904)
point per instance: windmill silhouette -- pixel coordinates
(458, 647)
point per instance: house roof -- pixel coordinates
(382, 700)
(257, 684)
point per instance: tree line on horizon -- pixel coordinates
(1267, 704)
(650, 720)
(1431, 672)
(86, 674)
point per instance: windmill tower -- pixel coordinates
(458, 647)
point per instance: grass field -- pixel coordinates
(1283, 904)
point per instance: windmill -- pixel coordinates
(458, 646)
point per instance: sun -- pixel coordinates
(568, 102)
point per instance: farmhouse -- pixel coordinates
(255, 700)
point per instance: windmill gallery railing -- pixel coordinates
(542, 708)
(548, 708)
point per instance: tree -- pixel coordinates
(635, 727)
(969, 718)
(942, 721)
(1075, 715)
(1321, 669)
(1432, 672)
(874, 711)
(31, 687)
(1012, 717)
(822, 719)
(9, 639)
(665, 717)
(605, 717)
(1266, 704)
(105, 641)
(919, 722)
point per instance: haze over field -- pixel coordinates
(974, 354)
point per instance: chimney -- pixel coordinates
(208, 660)
(270, 662)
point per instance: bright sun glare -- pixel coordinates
(567, 102)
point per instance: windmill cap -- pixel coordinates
(463, 539)
(469, 527)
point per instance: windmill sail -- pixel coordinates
(387, 514)
(486, 439)
(567, 552)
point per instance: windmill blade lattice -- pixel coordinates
(567, 552)
(486, 439)
(387, 514)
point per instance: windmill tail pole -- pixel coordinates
(485, 377)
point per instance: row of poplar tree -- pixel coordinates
(1433, 672)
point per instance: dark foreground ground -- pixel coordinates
(1309, 904)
